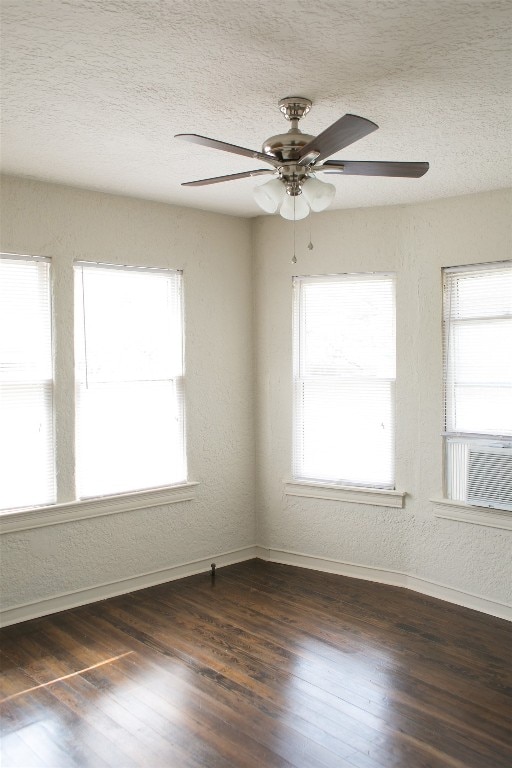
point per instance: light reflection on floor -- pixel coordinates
(343, 693)
(65, 677)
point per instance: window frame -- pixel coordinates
(341, 489)
(451, 506)
(178, 381)
(67, 506)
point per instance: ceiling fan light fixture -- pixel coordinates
(318, 193)
(294, 208)
(269, 196)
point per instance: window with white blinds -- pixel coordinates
(26, 383)
(477, 342)
(344, 379)
(129, 372)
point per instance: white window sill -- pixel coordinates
(38, 517)
(449, 509)
(380, 497)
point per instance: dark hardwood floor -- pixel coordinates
(270, 666)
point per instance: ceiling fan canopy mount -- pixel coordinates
(295, 107)
(297, 157)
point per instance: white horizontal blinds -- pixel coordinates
(478, 349)
(129, 371)
(344, 378)
(27, 475)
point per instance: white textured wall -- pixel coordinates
(415, 242)
(221, 287)
(215, 253)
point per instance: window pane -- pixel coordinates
(347, 432)
(343, 333)
(482, 409)
(130, 436)
(481, 351)
(26, 385)
(482, 292)
(132, 323)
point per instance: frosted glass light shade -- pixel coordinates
(319, 194)
(288, 211)
(269, 196)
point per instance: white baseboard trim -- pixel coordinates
(64, 601)
(392, 578)
(104, 591)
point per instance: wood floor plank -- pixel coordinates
(369, 622)
(416, 729)
(264, 727)
(25, 704)
(14, 752)
(208, 666)
(189, 728)
(371, 692)
(270, 666)
(395, 651)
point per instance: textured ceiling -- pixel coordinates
(94, 91)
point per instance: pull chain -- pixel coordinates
(294, 260)
(310, 244)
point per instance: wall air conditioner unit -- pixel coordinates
(489, 477)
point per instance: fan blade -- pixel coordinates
(374, 168)
(230, 177)
(339, 135)
(214, 144)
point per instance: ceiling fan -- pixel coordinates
(297, 157)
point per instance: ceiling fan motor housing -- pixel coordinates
(286, 146)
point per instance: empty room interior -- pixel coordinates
(256, 384)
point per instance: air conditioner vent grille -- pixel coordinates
(490, 477)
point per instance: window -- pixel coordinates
(128, 401)
(26, 383)
(129, 378)
(344, 379)
(477, 334)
